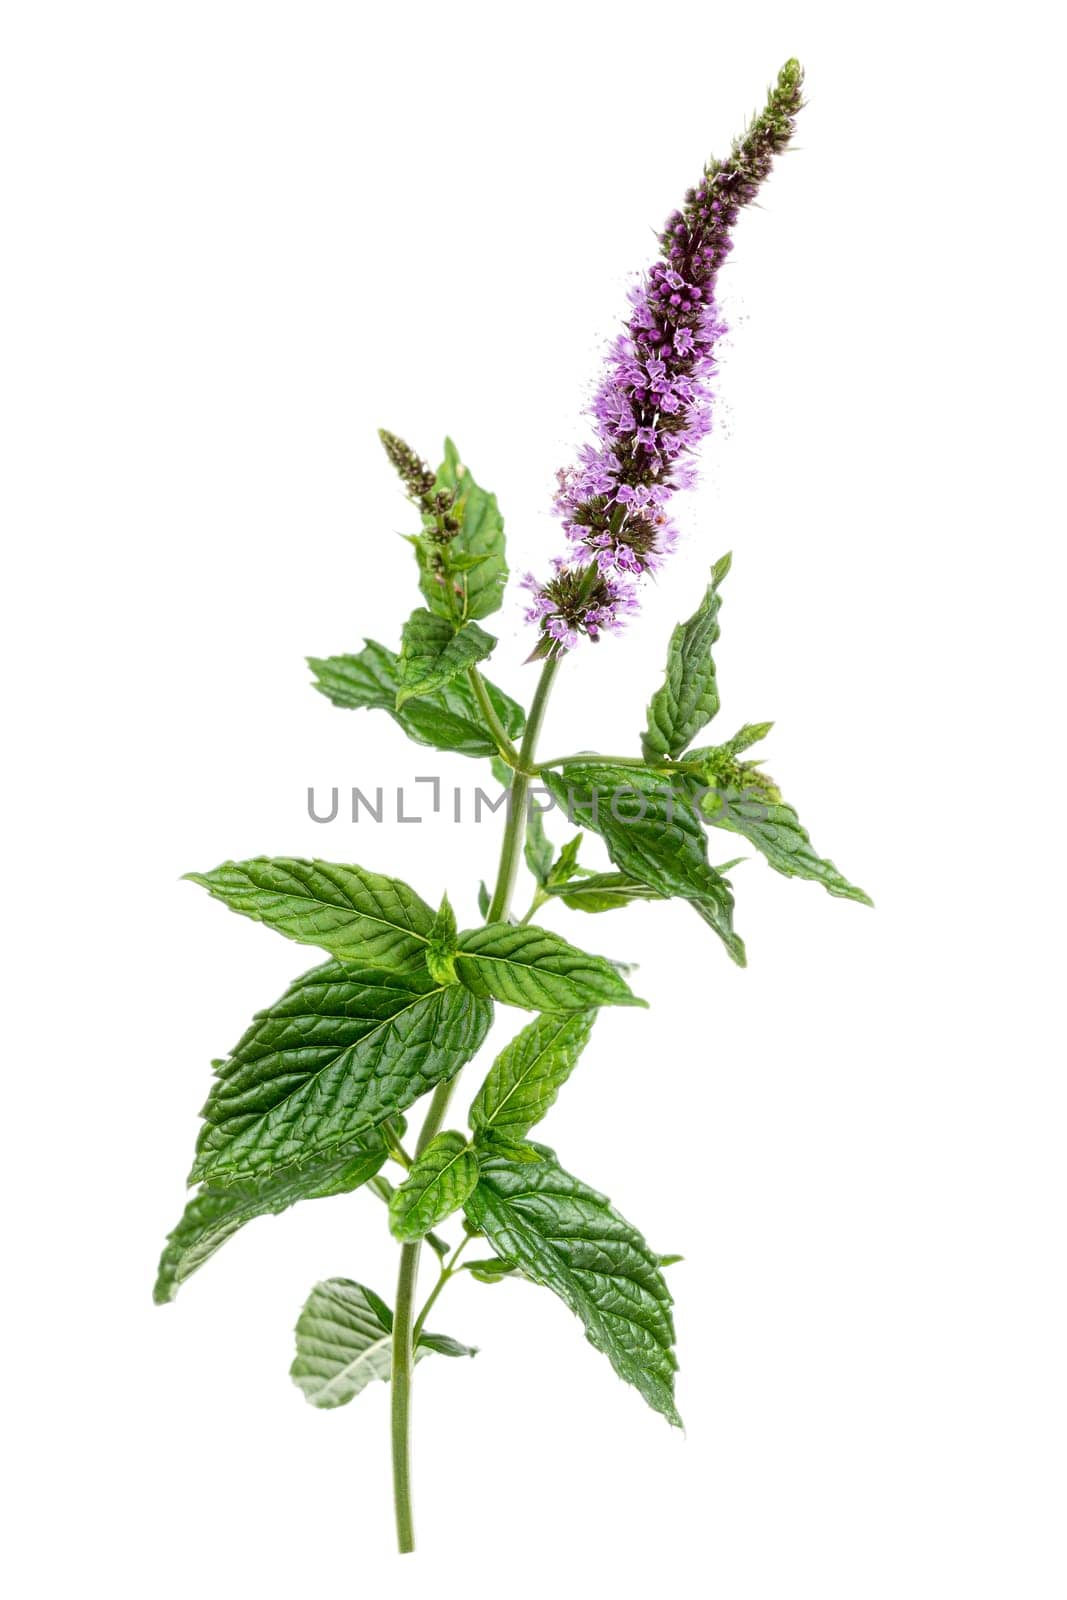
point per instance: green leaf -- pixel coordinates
(344, 1342)
(604, 891)
(689, 697)
(757, 812)
(433, 653)
(481, 535)
(216, 1213)
(565, 866)
(443, 1345)
(447, 719)
(344, 1048)
(567, 1237)
(530, 967)
(438, 1183)
(491, 1270)
(355, 915)
(441, 951)
(538, 849)
(653, 835)
(527, 1075)
(483, 898)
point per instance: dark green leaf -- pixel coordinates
(653, 835)
(567, 1236)
(447, 719)
(355, 915)
(530, 967)
(344, 1341)
(438, 1183)
(689, 697)
(342, 1049)
(483, 899)
(433, 653)
(758, 813)
(527, 1075)
(216, 1213)
(604, 891)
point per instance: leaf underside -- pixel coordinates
(343, 1343)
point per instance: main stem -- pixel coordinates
(404, 1314)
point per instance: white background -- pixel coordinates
(239, 238)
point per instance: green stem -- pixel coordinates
(592, 758)
(403, 1345)
(508, 752)
(403, 1315)
(401, 1396)
(515, 832)
(447, 1271)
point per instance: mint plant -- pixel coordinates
(315, 1098)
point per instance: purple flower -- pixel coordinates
(653, 406)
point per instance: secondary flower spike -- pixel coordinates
(654, 404)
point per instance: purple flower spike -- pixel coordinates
(653, 406)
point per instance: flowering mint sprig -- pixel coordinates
(313, 1099)
(653, 406)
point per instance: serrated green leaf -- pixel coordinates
(689, 697)
(438, 1183)
(355, 915)
(566, 1236)
(216, 1212)
(441, 950)
(653, 834)
(481, 534)
(344, 1048)
(604, 891)
(763, 818)
(492, 1144)
(447, 719)
(565, 867)
(433, 652)
(530, 967)
(344, 1342)
(527, 1075)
